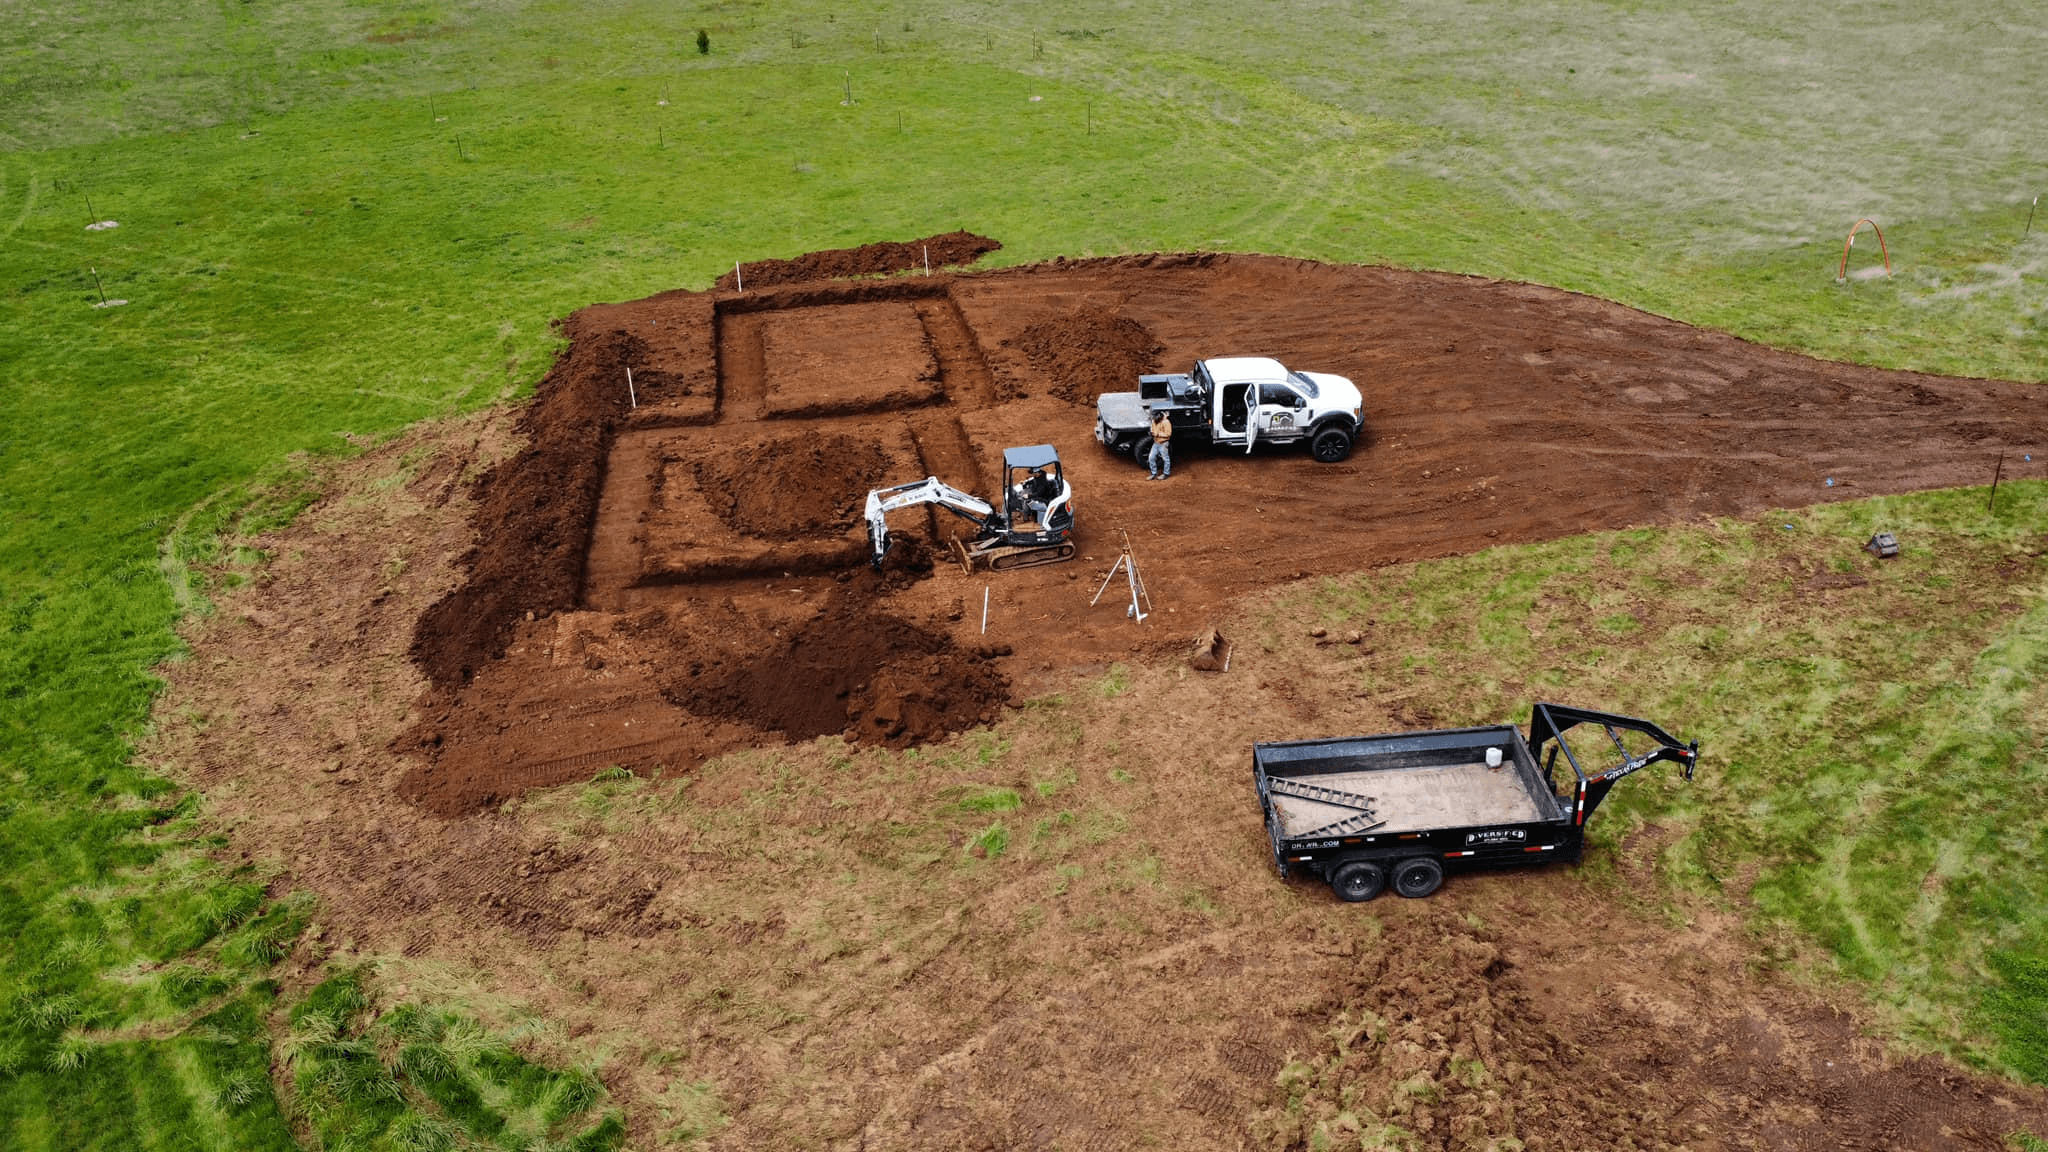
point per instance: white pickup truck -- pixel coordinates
(1236, 400)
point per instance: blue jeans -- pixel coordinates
(1160, 462)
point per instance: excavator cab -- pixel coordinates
(1036, 496)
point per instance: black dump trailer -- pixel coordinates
(1365, 812)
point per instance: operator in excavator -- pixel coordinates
(1040, 490)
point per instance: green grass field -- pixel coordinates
(339, 218)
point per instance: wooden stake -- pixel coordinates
(984, 609)
(96, 283)
(2030, 219)
(927, 259)
(1996, 473)
(737, 282)
(630, 397)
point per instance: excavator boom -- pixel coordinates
(930, 490)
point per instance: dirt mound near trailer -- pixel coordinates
(853, 670)
(1085, 354)
(1437, 1042)
(1451, 1034)
(793, 487)
(947, 250)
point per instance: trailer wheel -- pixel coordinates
(1418, 877)
(1142, 452)
(1330, 445)
(1358, 881)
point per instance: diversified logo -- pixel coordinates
(1497, 836)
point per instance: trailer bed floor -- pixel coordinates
(1413, 799)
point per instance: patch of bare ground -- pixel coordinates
(831, 938)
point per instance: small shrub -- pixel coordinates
(703, 42)
(611, 773)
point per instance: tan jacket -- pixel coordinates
(1162, 429)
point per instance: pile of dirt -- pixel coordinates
(534, 512)
(946, 250)
(793, 487)
(1085, 354)
(853, 670)
(1437, 1046)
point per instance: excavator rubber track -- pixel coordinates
(1007, 559)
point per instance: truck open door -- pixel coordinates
(1237, 414)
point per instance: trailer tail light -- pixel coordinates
(1447, 855)
(1539, 848)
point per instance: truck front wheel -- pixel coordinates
(1358, 881)
(1143, 453)
(1330, 445)
(1418, 877)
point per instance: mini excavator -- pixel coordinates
(1036, 525)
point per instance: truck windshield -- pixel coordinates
(1307, 386)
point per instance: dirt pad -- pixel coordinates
(794, 487)
(946, 250)
(857, 358)
(1494, 413)
(1085, 354)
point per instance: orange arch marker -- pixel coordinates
(1842, 274)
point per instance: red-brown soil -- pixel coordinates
(851, 671)
(852, 358)
(946, 250)
(1495, 413)
(1088, 353)
(793, 487)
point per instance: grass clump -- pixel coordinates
(993, 800)
(991, 842)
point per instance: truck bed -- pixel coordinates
(1422, 797)
(1122, 411)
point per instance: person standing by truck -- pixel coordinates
(1161, 461)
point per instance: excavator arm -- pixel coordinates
(930, 490)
